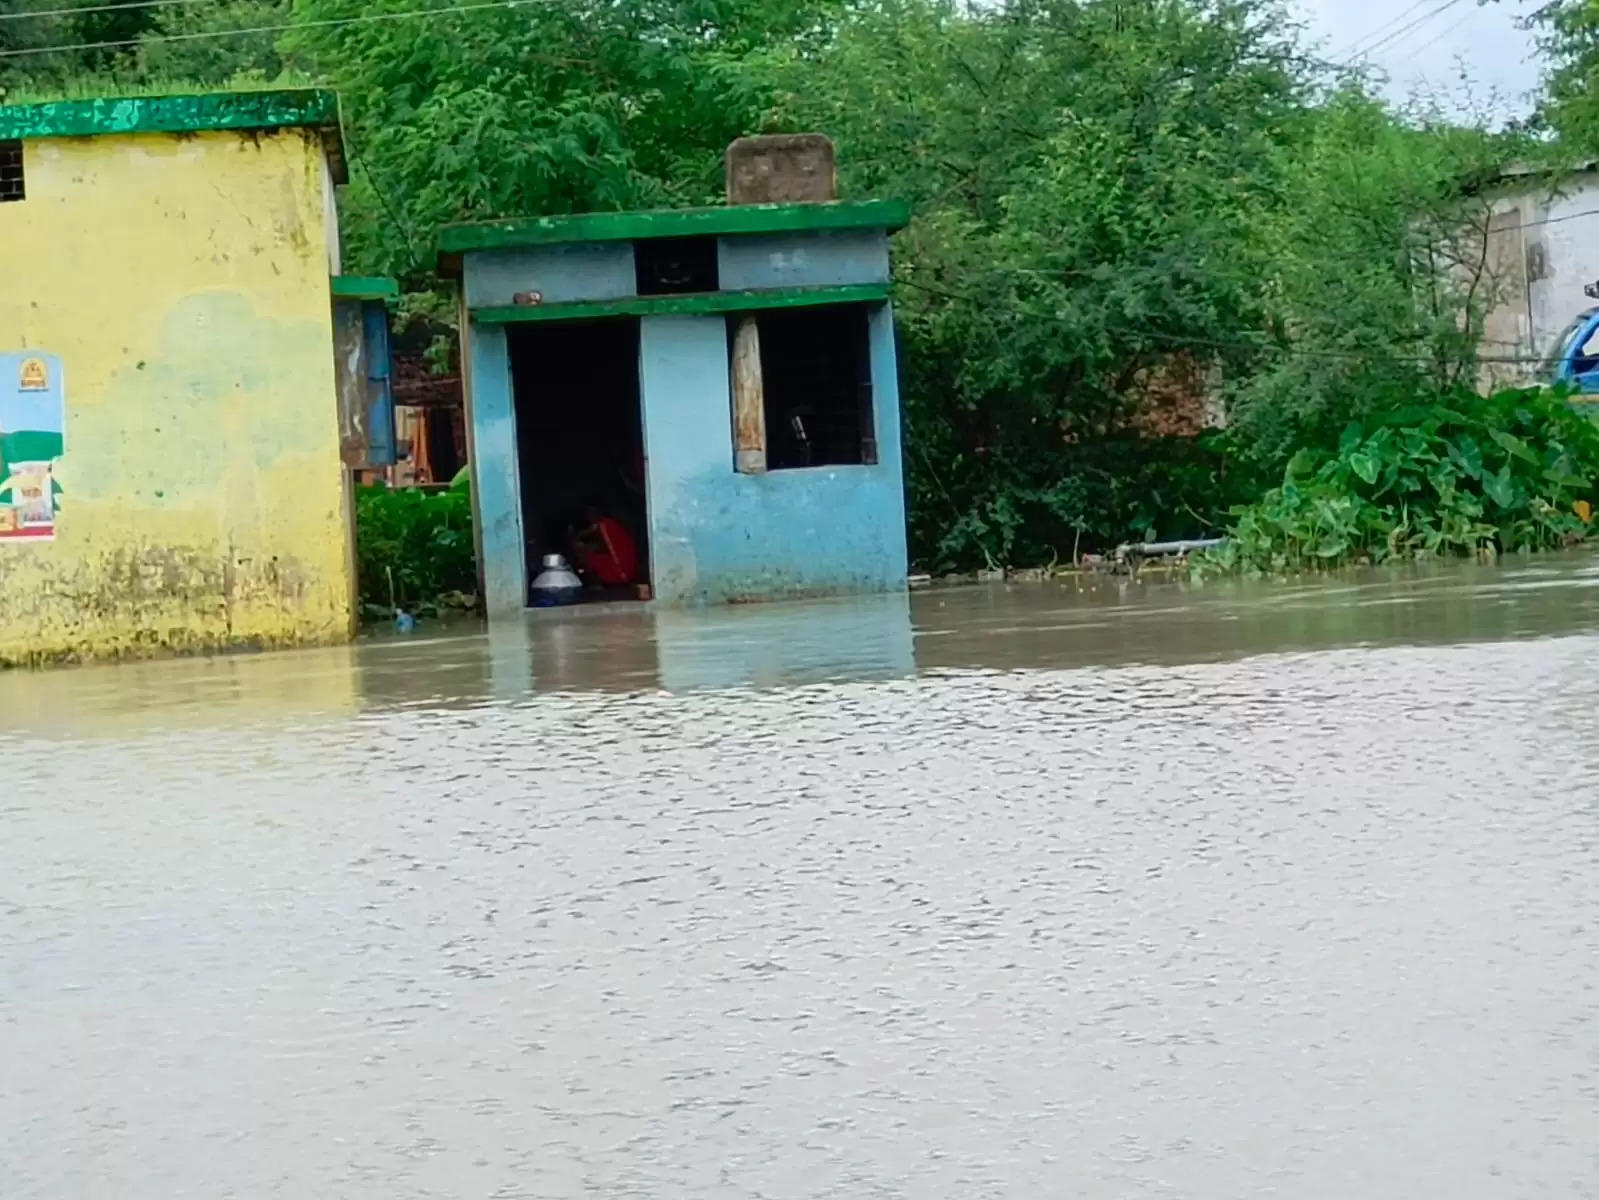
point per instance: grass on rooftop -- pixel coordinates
(92, 88)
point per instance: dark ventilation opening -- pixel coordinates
(12, 186)
(580, 446)
(816, 373)
(676, 266)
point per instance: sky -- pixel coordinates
(1421, 47)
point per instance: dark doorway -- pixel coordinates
(580, 442)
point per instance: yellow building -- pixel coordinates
(170, 462)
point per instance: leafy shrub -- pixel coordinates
(1077, 498)
(414, 549)
(1475, 476)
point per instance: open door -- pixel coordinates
(580, 441)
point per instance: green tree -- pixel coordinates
(202, 43)
(1569, 38)
(1373, 276)
(536, 108)
(21, 35)
(1116, 199)
(1118, 204)
(109, 32)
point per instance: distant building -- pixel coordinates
(1542, 251)
(721, 381)
(177, 468)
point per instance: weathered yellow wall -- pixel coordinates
(183, 280)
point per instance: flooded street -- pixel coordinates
(1100, 889)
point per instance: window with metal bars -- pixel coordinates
(12, 186)
(816, 368)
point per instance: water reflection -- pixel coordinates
(1080, 621)
(635, 648)
(238, 690)
(764, 646)
(1100, 620)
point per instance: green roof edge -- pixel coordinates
(311, 107)
(364, 287)
(698, 304)
(284, 108)
(725, 221)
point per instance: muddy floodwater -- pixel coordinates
(1100, 889)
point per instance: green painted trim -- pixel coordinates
(300, 108)
(732, 220)
(699, 303)
(364, 287)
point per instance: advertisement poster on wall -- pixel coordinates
(32, 439)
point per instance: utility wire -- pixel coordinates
(95, 8)
(1587, 212)
(1472, 14)
(1353, 48)
(326, 23)
(1402, 31)
(400, 226)
(1219, 344)
(1576, 216)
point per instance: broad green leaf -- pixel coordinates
(1467, 455)
(1403, 418)
(1567, 480)
(1500, 487)
(1301, 464)
(1418, 445)
(1515, 447)
(1365, 464)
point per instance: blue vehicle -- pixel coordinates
(1574, 358)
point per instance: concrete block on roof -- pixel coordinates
(790, 168)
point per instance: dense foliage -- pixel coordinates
(414, 549)
(1088, 495)
(1477, 476)
(1569, 38)
(1122, 203)
(1124, 209)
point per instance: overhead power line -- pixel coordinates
(1471, 14)
(1182, 340)
(1353, 48)
(1587, 212)
(95, 8)
(1473, 10)
(1403, 30)
(284, 27)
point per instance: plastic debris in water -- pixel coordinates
(404, 622)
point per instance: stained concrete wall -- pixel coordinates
(719, 536)
(825, 259)
(715, 535)
(589, 271)
(183, 283)
(496, 471)
(1543, 248)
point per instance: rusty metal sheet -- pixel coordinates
(365, 391)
